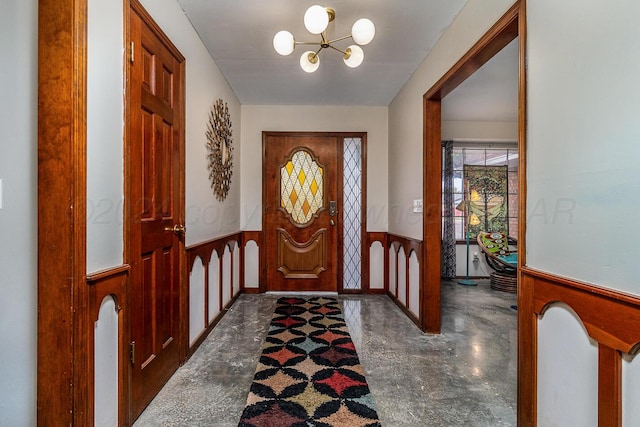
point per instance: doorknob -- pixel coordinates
(179, 230)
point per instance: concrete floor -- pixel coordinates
(464, 377)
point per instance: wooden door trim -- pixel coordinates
(62, 350)
(341, 136)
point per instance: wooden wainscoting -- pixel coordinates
(371, 238)
(110, 283)
(611, 318)
(251, 236)
(205, 251)
(409, 246)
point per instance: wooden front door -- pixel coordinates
(301, 211)
(155, 206)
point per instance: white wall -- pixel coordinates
(105, 121)
(105, 370)
(18, 216)
(457, 130)
(631, 391)
(582, 163)
(376, 266)
(583, 131)
(567, 370)
(206, 218)
(405, 112)
(251, 265)
(196, 301)
(258, 118)
(476, 269)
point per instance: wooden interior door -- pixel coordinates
(301, 211)
(155, 203)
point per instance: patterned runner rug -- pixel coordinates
(309, 373)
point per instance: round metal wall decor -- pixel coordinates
(220, 147)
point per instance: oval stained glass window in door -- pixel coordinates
(301, 187)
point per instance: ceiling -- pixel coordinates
(489, 94)
(239, 35)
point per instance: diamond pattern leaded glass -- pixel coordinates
(301, 187)
(352, 213)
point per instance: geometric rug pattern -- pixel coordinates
(309, 373)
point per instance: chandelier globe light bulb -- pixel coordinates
(284, 43)
(309, 61)
(353, 56)
(316, 19)
(363, 31)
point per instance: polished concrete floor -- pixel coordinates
(464, 377)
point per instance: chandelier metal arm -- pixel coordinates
(339, 50)
(340, 39)
(324, 42)
(308, 43)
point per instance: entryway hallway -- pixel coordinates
(464, 377)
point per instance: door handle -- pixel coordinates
(178, 230)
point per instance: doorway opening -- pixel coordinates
(507, 29)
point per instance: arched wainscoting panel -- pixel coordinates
(567, 370)
(407, 272)
(214, 286)
(414, 284)
(393, 285)
(402, 276)
(212, 270)
(196, 301)
(631, 391)
(251, 265)
(226, 276)
(106, 365)
(236, 269)
(376, 266)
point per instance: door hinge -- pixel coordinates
(132, 352)
(131, 53)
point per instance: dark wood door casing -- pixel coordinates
(154, 200)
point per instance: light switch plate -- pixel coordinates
(417, 206)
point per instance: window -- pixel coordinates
(493, 156)
(301, 187)
(352, 214)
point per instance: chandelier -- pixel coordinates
(316, 21)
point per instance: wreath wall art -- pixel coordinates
(220, 148)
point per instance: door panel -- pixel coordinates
(302, 260)
(155, 203)
(300, 182)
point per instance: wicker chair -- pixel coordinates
(501, 254)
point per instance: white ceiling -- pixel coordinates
(239, 35)
(490, 94)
